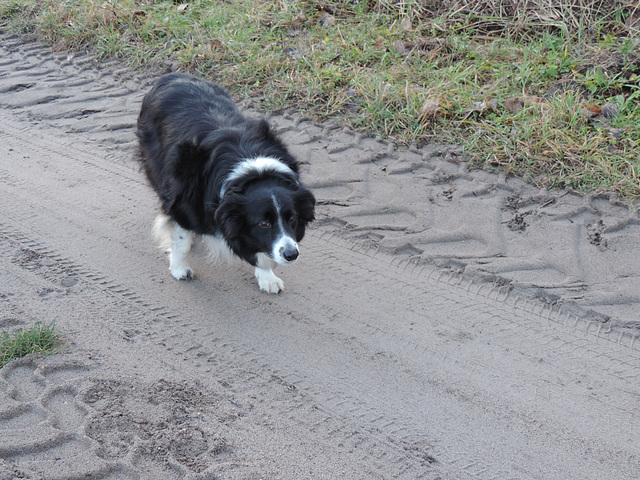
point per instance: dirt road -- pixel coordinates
(440, 324)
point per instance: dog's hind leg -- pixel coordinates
(267, 280)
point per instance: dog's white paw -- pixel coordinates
(183, 272)
(179, 242)
(268, 282)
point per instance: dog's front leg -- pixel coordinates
(181, 241)
(267, 280)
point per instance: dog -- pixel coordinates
(220, 177)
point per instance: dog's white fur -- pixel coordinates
(177, 241)
(267, 280)
(259, 164)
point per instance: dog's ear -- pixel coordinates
(305, 204)
(230, 215)
(263, 129)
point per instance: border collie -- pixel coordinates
(221, 177)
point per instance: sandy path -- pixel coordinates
(440, 324)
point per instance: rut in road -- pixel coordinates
(423, 373)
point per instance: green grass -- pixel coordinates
(41, 338)
(412, 71)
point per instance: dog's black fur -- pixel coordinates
(192, 139)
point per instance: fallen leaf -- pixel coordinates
(298, 21)
(182, 7)
(492, 104)
(430, 107)
(616, 133)
(216, 45)
(514, 105)
(479, 106)
(610, 110)
(380, 43)
(592, 110)
(351, 92)
(326, 19)
(405, 24)
(399, 47)
(293, 53)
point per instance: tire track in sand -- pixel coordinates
(554, 245)
(389, 365)
(436, 305)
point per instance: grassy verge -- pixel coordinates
(41, 338)
(548, 90)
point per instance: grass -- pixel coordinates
(545, 90)
(41, 338)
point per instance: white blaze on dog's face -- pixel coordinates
(272, 221)
(285, 250)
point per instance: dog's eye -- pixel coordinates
(293, 219)
(264, 224)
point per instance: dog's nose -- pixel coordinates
(290, 254)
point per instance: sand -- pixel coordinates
(440, 323)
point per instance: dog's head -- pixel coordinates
(266, 217)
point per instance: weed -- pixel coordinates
(41, 338)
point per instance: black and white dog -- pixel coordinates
(222, 177)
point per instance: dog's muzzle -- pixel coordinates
(286, 250)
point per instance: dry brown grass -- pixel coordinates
(492, 75)
(510, 17)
